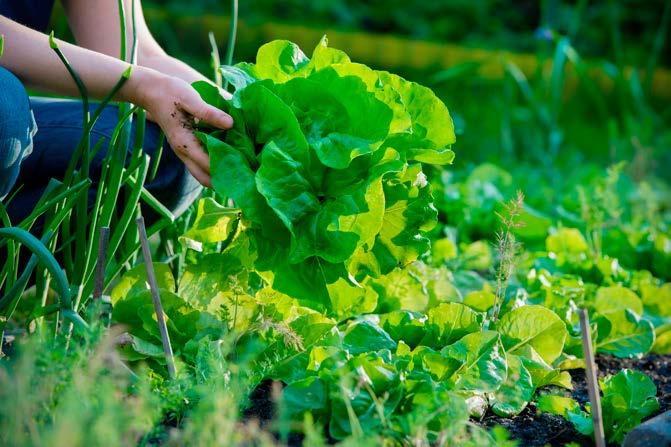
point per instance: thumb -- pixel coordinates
(203, 111)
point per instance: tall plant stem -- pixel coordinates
(232, 33)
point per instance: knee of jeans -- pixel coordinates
(17, 128)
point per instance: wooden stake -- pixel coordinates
(591, 376)
(156, 298)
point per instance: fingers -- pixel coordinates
(190, 151)
(201, 110)
(202, 177)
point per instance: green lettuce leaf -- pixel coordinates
(448, 322)
(624, 334)
(515, 393)
(481, 362)
(536, 327)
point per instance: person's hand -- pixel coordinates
(175, 106)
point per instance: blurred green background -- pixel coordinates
(506, 24)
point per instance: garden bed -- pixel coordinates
(531, 427)
(534, 429)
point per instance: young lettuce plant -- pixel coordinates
(325, 163)
(628, 398)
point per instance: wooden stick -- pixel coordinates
(591, 376)
(156, 297)
(103, 242)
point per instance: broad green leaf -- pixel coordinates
(233, 177)
(312, 327)
(610, 299)
(401, 121)
(568, 246)
(267, 118)
(341, 224)
(327, 357)
(323, 56)
(442, 250)
(339, 117)
(219, 282)
(279, 60)
(363, 336)
(662, 340)
(657, 303)
(628, 397)
(559, 405)
(134, 348)
(282, 181)
(535, 326)
(408, 214)
(214, 273)
(437, 281)
(477, 256)
(481, 300)
(348, 298)
(430, 119)
(433, 405)
(400, 290)
(236, 76)
(534, 224)
(434, 363)
(311, 282)
(628, 390)
(134, 281)
(404, 325)
(184, 323)
(213, 223)
(582, 421)
(307, 395)
(542, 374)
(482, 361)
(448, 322)
(367, 381)
(210, 94)
(569, 409)
(515, 393)
(628, 334)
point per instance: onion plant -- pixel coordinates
(69, 224)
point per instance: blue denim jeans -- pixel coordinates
(39, 135)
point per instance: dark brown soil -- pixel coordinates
(533, 429)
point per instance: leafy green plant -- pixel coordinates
(328, 159)
(628, 398)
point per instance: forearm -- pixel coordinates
(28, 55)
(171, 66)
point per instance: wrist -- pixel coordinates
(140, 86)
